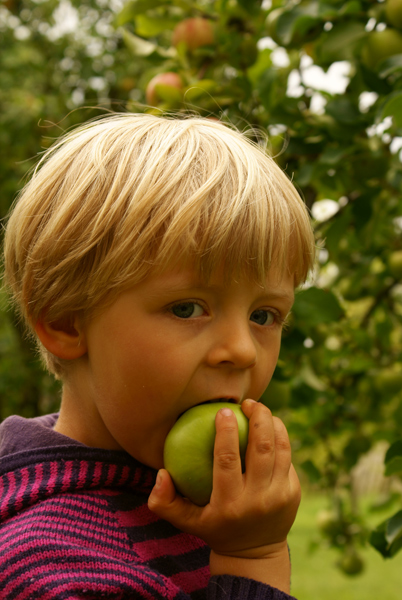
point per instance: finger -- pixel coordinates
(227, 474)
(260, 455)
(165, 502)
(283, 450)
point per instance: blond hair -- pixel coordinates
(124, 195)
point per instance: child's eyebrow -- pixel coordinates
(273, 293)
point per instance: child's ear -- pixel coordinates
(63, 338)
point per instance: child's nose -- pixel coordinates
(234, 346)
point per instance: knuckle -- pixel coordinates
(226, 460)
(265, 446)
(282, 443)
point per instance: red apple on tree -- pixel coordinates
(168, 80)
(189, 449)
(195, 32)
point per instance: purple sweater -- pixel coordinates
(75, 525)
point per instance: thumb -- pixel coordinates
(165, 502)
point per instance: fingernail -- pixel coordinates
(251, 400)
(226, 412)
(158, 481)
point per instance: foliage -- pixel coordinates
(270, 68)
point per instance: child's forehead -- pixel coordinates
(188, 275)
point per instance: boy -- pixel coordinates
(155, 260)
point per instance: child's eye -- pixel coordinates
(185, 310)
(264, 317)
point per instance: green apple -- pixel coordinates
(351, 563)
(395, 264)
(393, 11)
(388, 381)
(189, 449)
(381, 45)
(328, 523)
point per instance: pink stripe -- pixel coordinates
(97, 474)
(51, 484)
(36, 484)
(137, 516)
(95, 537)
(111, 474)
(82, 475)
(80, 570)
(22, 488)
(11, 489)
(68, 469)
(193, 580)
(173, 546)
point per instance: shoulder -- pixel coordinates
(62, 548)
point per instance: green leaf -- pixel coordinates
(293, 25)
(387, 538)
(341, 42)
(393, 108)
(332, 155)
(251, 6)
(137, 45)
(195, 91)
(309, 377)
(394, 466)
(378, 541)
(151, 26)
(344, 111)
(394, 528)
(311, 471)
(262, 63)
(395, 450)
(390, 65)
(314, 306)
(136, 7)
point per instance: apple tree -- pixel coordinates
(319, 83)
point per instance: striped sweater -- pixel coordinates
(75, 525)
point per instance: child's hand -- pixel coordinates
(249, 515)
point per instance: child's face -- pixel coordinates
(172, 342)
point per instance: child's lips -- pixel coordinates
(222, 399)
(230, 399)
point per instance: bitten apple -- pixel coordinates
(189, 449)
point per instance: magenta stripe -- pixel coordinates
(22, 489)
(91, 501)
(173, 546)
(111, 474)
(54, 470)
(37, 483)
(83, 569)
(82, 475)
(137, 516)
(95, 537)
(97, 474)
(11, 489)
(68, 469)
(191, 581)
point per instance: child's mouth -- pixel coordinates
(232, 400)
